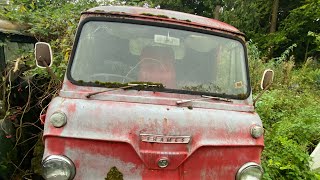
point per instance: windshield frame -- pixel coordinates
(165, 25)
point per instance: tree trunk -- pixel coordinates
(274, 16)
(273, 26)
(217, 12)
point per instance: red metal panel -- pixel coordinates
(72, 91)
(93, 160)
(164, 15)
(102, 134)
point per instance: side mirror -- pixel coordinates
(267, 78)
(266, 81)
(43, 54)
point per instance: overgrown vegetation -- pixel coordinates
(290, 113)
(290, 109)
(27, 90)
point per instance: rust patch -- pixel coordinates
(114, 174)
(69, 85)
(55, 145)
(72, 108)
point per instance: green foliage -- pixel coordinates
(290, 113)
(292, 129)
(316, 41)
(53, 22)
(141, 3)
(248, 16)
(114, 174)
(295, 28)
(203, 8)
(282, 66)
(295, 20)
(49, 21)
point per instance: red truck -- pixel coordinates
(153, 94)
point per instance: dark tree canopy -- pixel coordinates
(297, 22)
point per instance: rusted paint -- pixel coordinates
(148, 97)
(93, 157)
(54, 145)
(104, 131)
(69, 85)
(71, 108)
(109, 131)
(159, 14)
(42, 118)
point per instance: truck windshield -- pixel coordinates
(181, 60)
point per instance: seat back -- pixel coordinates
(157, 65)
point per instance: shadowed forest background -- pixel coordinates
(281, 35)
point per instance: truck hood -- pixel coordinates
(131, 122)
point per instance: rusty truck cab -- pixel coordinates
(154, 94)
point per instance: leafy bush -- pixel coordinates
(290, 113)
(292, 125)
(53, 22)
(282, 65)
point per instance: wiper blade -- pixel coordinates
(130, 85)
(108, 90)
(158, 85)
(204, 97)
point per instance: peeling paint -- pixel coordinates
(102, 136)
(174, 16)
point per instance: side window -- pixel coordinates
(13, 50)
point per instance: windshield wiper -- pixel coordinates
(203, 98)
(130, 85)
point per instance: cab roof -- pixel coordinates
(173, 16)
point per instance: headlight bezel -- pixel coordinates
(60, 158)
(245, 167)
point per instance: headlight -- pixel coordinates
(250, 171)
(58, 119)
(57, 167)
(256, 131)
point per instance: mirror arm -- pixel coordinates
(49, 70)
(258, 97)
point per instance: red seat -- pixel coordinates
(157, 65)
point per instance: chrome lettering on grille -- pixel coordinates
(152, 138)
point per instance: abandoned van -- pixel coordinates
(152, 94)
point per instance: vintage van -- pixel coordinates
(153, 94)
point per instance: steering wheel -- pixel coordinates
(161, 65)
(112, 77)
